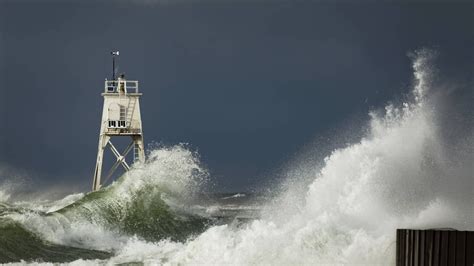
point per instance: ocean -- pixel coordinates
(344, 209)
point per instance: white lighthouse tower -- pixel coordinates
(120, 118)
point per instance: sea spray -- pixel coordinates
(393, 177)
(135, 205)
(343, 210)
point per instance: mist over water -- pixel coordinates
(403, 173)
(397, 176)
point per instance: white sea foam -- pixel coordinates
(397, 175)
(4, 196)
(8, 182)
(172, 172)
(238, 195)
(393, 177)
(69, 199)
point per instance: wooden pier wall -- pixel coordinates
(436, 247)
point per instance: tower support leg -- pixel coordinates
(138, 140)
(103, 140)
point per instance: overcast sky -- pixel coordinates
(248, 84)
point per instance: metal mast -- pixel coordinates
(114, 53)
(120, 118)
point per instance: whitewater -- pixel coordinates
(401, 173)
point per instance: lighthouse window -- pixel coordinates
(117, 124)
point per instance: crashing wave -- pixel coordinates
(393, 177)
(138, 204)
(398, 175)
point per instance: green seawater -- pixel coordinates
(142, 214)
(18, 244)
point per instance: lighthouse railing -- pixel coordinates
(111, 86)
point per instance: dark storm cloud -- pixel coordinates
(3, 105)
(247, 83)
(227, 2)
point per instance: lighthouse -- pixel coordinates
(121, 118)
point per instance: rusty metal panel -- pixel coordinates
(436, 253)
(460, 252)
(422, 248)
(429, 248)
(434, 247)
(444, 240)
(452, 249)
(469, 248)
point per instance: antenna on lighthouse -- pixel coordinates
(114, 53)
(120, 118)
